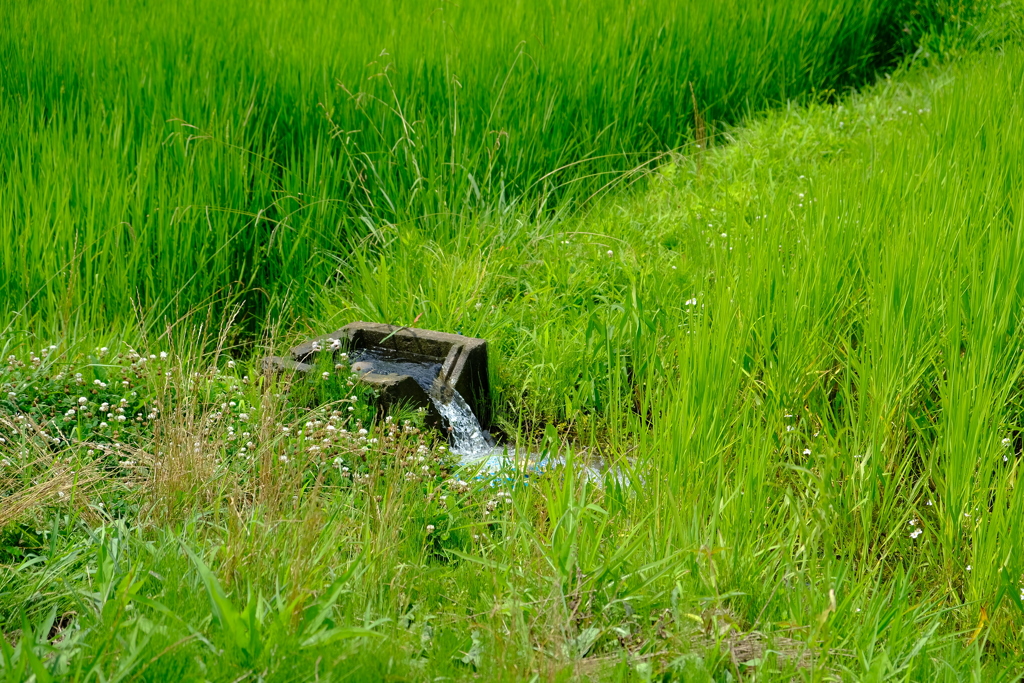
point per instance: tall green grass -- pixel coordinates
(163, 157)
(801, 350)
(809, 341)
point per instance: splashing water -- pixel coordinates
(468, 437)
(474, 445)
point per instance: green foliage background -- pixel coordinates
(160, 158)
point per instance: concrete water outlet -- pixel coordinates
(405, 365)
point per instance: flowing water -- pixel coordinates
(471, 442)
(469, 439)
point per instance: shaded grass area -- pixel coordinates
(802, 350)
(165, 160)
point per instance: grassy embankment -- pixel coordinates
(805, 347)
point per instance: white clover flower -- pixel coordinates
(231, 363)
(430, 528)
(316, 346)
(335, 344)
(121, 418)
(163, 354)
(103, 425)
(283, 458)
(610, 253)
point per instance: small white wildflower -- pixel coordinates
(82, 400)
(163, 354)
(430, 528)
(807, 451)
(103, 425)
(691, 302)
(283, 458)
(231, 363)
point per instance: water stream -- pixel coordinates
(475, 447)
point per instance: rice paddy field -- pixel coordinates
(762, 263)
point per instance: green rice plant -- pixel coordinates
(163, 161)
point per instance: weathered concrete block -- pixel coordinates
(462, 363)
